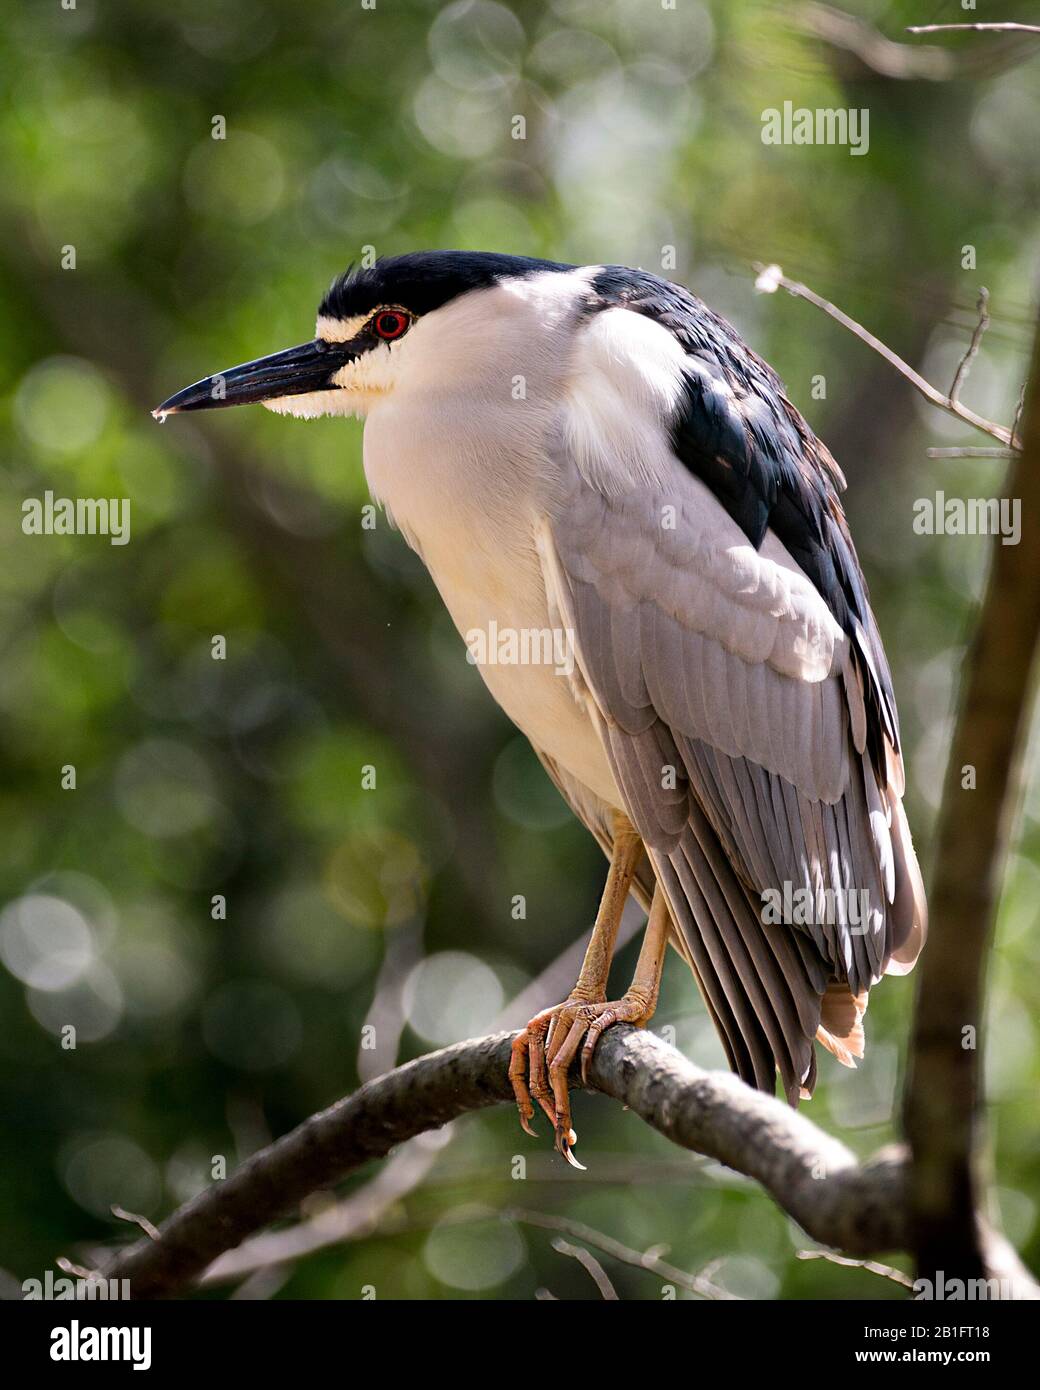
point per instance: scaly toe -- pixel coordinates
(517, 1079)
(596, 1031)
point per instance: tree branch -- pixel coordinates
(816, 1179)
(877, 54)
(859, 1208)
(861, 51)
(944, 1085)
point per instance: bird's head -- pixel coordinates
(376, 327)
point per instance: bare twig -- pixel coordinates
(650, 1261)
(871, 1266)
(874, 50)
(647, 1260)
(964, 366)
(151, 1231)
(377, 1205)
(771, 278)
(1006, 27)
(387, 1016)
(262, 1285)
(1016, 436)
(970, 453)
(589, 1262)
(859, 50)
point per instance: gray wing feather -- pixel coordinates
(734, 719)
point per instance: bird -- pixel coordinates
(641, 542)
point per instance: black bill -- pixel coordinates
(294, 372)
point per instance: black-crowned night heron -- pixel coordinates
(590, 455)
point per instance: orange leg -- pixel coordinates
(542, 1053)
(591, 1021)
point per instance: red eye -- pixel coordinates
(390, 324)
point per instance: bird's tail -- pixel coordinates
(763, 988)
(770, 993)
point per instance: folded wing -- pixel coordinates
(748, 718)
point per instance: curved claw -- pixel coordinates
(565, 1148)
(517, 1078)
(565, 1142)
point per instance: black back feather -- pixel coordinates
(737, 431)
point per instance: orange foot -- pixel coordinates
(542, 1055)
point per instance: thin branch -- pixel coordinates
(376, 1205)
(876, 53)
(944, 1096)
(859, 50)
(588, 1262)
(647, 1260)
(871, 1266)
(262, 1285)
(1006, 27)
(150, 1230)
(386, 1018)
(771, 278)
(971, 453)
(964, 366)
(1016, 436)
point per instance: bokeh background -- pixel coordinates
(200, 1035)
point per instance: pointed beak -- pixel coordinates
(294, 372)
